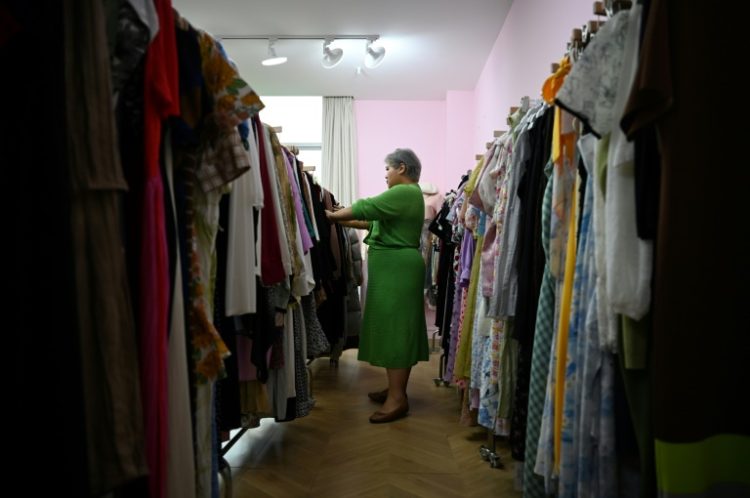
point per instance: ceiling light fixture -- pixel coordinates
(373, 55)
(272, 59)
(331, 57)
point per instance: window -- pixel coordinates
(301, 121)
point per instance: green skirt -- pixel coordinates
(394, 332)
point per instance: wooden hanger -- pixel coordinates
(618, 5)
(277, 129)
(589, 31)
(308, 168)
(599, 9)
(554, 67)
(576, 35)
(576, 43)
(594, 26)
(513, 110)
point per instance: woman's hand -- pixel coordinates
(330, 212)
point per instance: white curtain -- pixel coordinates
(339, 149)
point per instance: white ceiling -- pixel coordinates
(432, 46)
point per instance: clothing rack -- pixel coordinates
(488, 451)
(225, 470)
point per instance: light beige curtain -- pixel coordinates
(339, 149)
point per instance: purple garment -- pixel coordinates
(307, 242)
(455, 319)
(468, 246)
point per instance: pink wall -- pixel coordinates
(534, 35)
(459, 135)
(384, 125)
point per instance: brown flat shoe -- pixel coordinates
(383, 417)
(378, 396)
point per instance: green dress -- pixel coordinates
(394, 332)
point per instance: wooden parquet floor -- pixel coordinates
(335, 451)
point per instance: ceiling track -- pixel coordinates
(298, 37)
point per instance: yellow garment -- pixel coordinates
(563, 156)
(287, 203)
(553, 83)
(471, 184)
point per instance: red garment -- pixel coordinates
(271, 266)
(161, 100)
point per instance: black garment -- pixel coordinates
(647, 161)
(227, 396)
(583, 174)
(647, 183)
(321, 255)
(446, 290)
(36, 173)
(332, 311)
(129, 116)
(317, 344)
(530, 269)
(132, 39)
(440, 226)
(261, 328)
(303, 403)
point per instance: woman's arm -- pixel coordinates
(340, 214)
(345, 217)
(362, 225)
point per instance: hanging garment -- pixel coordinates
(161, 100)
(531, 264)
(533, 484)
(690, 328)
(467, 245)
(303, 401)
(587, 460)
(272, 257)
(242, 260)
(105, 321)
(598, 89)
(180, 455)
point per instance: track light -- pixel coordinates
(373, 55)
(331, 57)
(272, 59)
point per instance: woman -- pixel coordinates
(394, 333)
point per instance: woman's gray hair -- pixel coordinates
(409, 159)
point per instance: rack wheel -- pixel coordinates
(484, 452)
(446, 383)
(495, 462)
(437, 382)
(226, 481)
